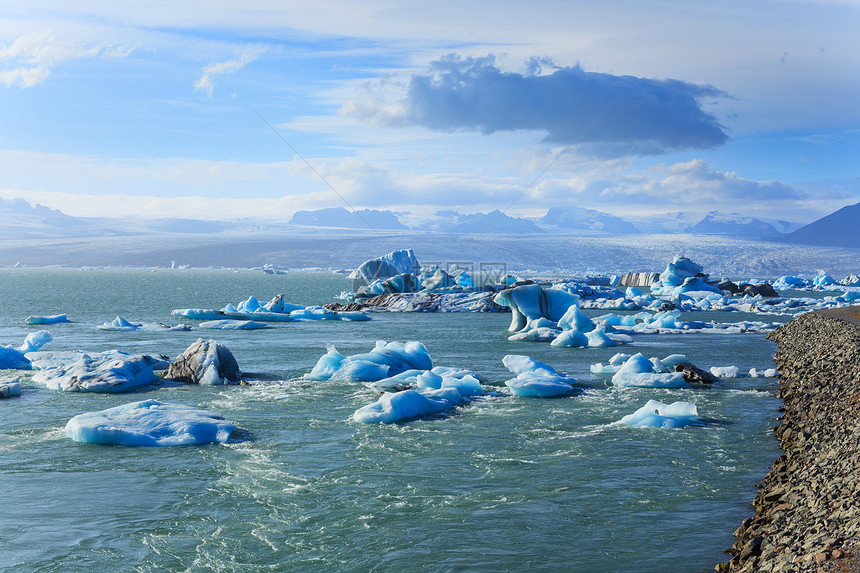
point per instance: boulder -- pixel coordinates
(694, 374)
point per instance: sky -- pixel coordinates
(207, 110)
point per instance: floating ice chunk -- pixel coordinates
(397, 406)
(656, 414)
(13, 358)
(541, 334)
(205, 362)
(228, 324)
(384, 361)
(766, 373)
(851, 296)
(149, 423)
(791, 283)
(35, 341)
(392, 264)
(725, 371)
(673, 359)
(52, 319)
(534, 378)
(683, 276)
(119, 323)
(529, 302)
(10, 387)
(641, 372)
(575, 319)
(823, 280)
(111, 371)
(319, 313)
(570, 339)
(598, 338)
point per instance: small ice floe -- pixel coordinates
(535, 378)
(725, 371)
(656, 414)
(641, 372)
(149, 423)
(765, 373)
(205, 362)
(14, 358)
(121, 324)
(111, 371)
(384, 361)
(52, 319)
(233, 325)
(408, 404)
(10, 387)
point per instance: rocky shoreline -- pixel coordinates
(808, 507)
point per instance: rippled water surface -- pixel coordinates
(503, 484)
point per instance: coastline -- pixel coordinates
(808, 506)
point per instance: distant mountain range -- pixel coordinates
(20, 219)
(839, 229)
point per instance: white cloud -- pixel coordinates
(206, 85)
(28, 60)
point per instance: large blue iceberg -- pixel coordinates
(390, 265)
(14, 358)
(682, 276)
(149, 423)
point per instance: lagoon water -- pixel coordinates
(503, 484)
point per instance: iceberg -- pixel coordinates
(12, 358)
(119, 323)
(639, 371)
(725, 371)
(387, 266)
(111, 371)
(384, 361)
(656, 414)
(570, 339)
(535, 378)
(149, 423)
(205, 362)
(229, 324)
(408, 404)
(53, 319)
(823, 280)
(682, 276)
(766, 373)
(531, 302)
(9, 387)
(465, 381)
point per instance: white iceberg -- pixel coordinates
(52, 319)
(229, 324)
(112, 371)
(656, 414)
(384, 361)
(119, 323)
(35, 341)
(766, 373)
(149, 423)
(638, 371)
(725, 371)
(397, 406)
(570, 339)
(10, 387)
(535, 378)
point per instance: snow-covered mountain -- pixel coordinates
(493, 223)
(839, 229)
(716, 223)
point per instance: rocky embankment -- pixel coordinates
(808, 507)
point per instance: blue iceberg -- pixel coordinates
(228, 324)
(384, 361)
(14, 358)
(119, 323)
(52, 319)
(149, 423)
(656, 414)
(408, 404)
(534, 378)
(112, 371)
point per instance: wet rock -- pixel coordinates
(205, 362)
(694, 374)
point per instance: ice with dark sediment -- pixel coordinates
(111, 371)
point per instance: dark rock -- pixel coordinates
(205, 362)
(694, 374)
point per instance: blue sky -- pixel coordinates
(633, 108)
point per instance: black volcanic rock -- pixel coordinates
(839, 229)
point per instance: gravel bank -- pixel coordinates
(808, 507)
